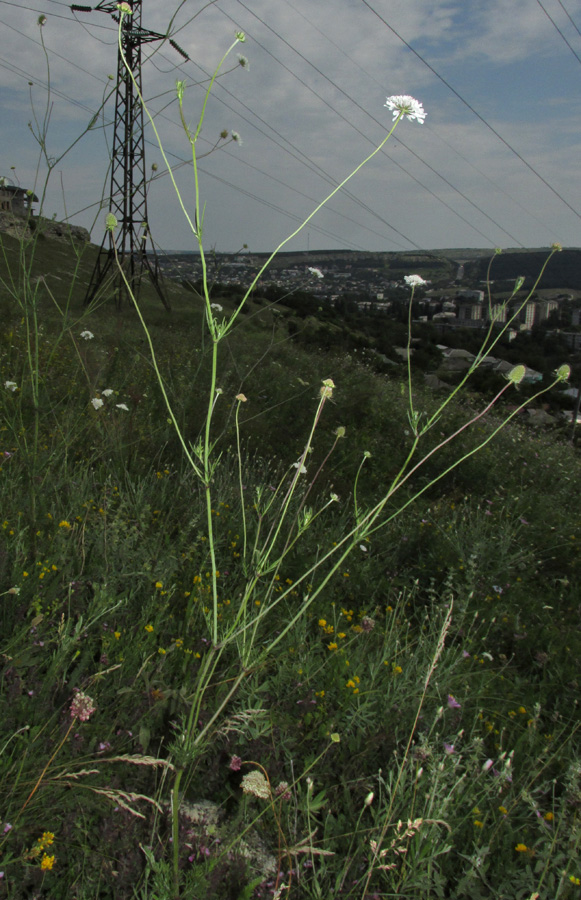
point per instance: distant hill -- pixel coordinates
(563, 270)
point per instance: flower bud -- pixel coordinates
(516, 374)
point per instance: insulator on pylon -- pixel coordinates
(179, 49)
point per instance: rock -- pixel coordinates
(21, 227)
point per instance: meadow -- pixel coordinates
(273, 624)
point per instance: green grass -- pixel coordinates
(444, 652)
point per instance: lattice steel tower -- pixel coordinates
(128, 194)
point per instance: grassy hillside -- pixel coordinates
(357, 683)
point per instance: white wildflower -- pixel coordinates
(414, 280)
(87, 335)
(406, 107)
(122, 406)
(107, 392)
(315, 271)
(10, 386)
(216, 307)
(236, 137)
(97, 403)
(300, 467)
(256, 784)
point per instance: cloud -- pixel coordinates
(311, 108)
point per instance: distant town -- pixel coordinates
(457, 294)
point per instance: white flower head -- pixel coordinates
(302, 469)
(122, 406)
(236, 137)
(243, 62)
(256, 784)
(97, 403)
(315, 271)
(107, 392)
(414, 280)
(10, 386)
(216, 306)
(87, 335)
(406, 107)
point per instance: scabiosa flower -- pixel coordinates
(87, 335)
(449, 749)
(97, 403)
(243, 62)
(107, 392)
(82, 707)
(10, 386)
(235, 764)
(236, 137)
(216, 306)
(453, 703)
(122, 406)
(406, 107)
(314, 271)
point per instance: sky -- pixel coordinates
(496, 163)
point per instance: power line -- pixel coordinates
(381, 125)
(550, 18)
(62, 95)
(472, 110)
(53, 15)
(424, 187)
(569, 17)
(345, 55)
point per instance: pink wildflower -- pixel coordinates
(82, 707)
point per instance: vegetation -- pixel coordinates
(274, 624)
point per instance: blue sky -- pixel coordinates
(309, 108)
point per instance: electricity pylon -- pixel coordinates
(126, 246)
